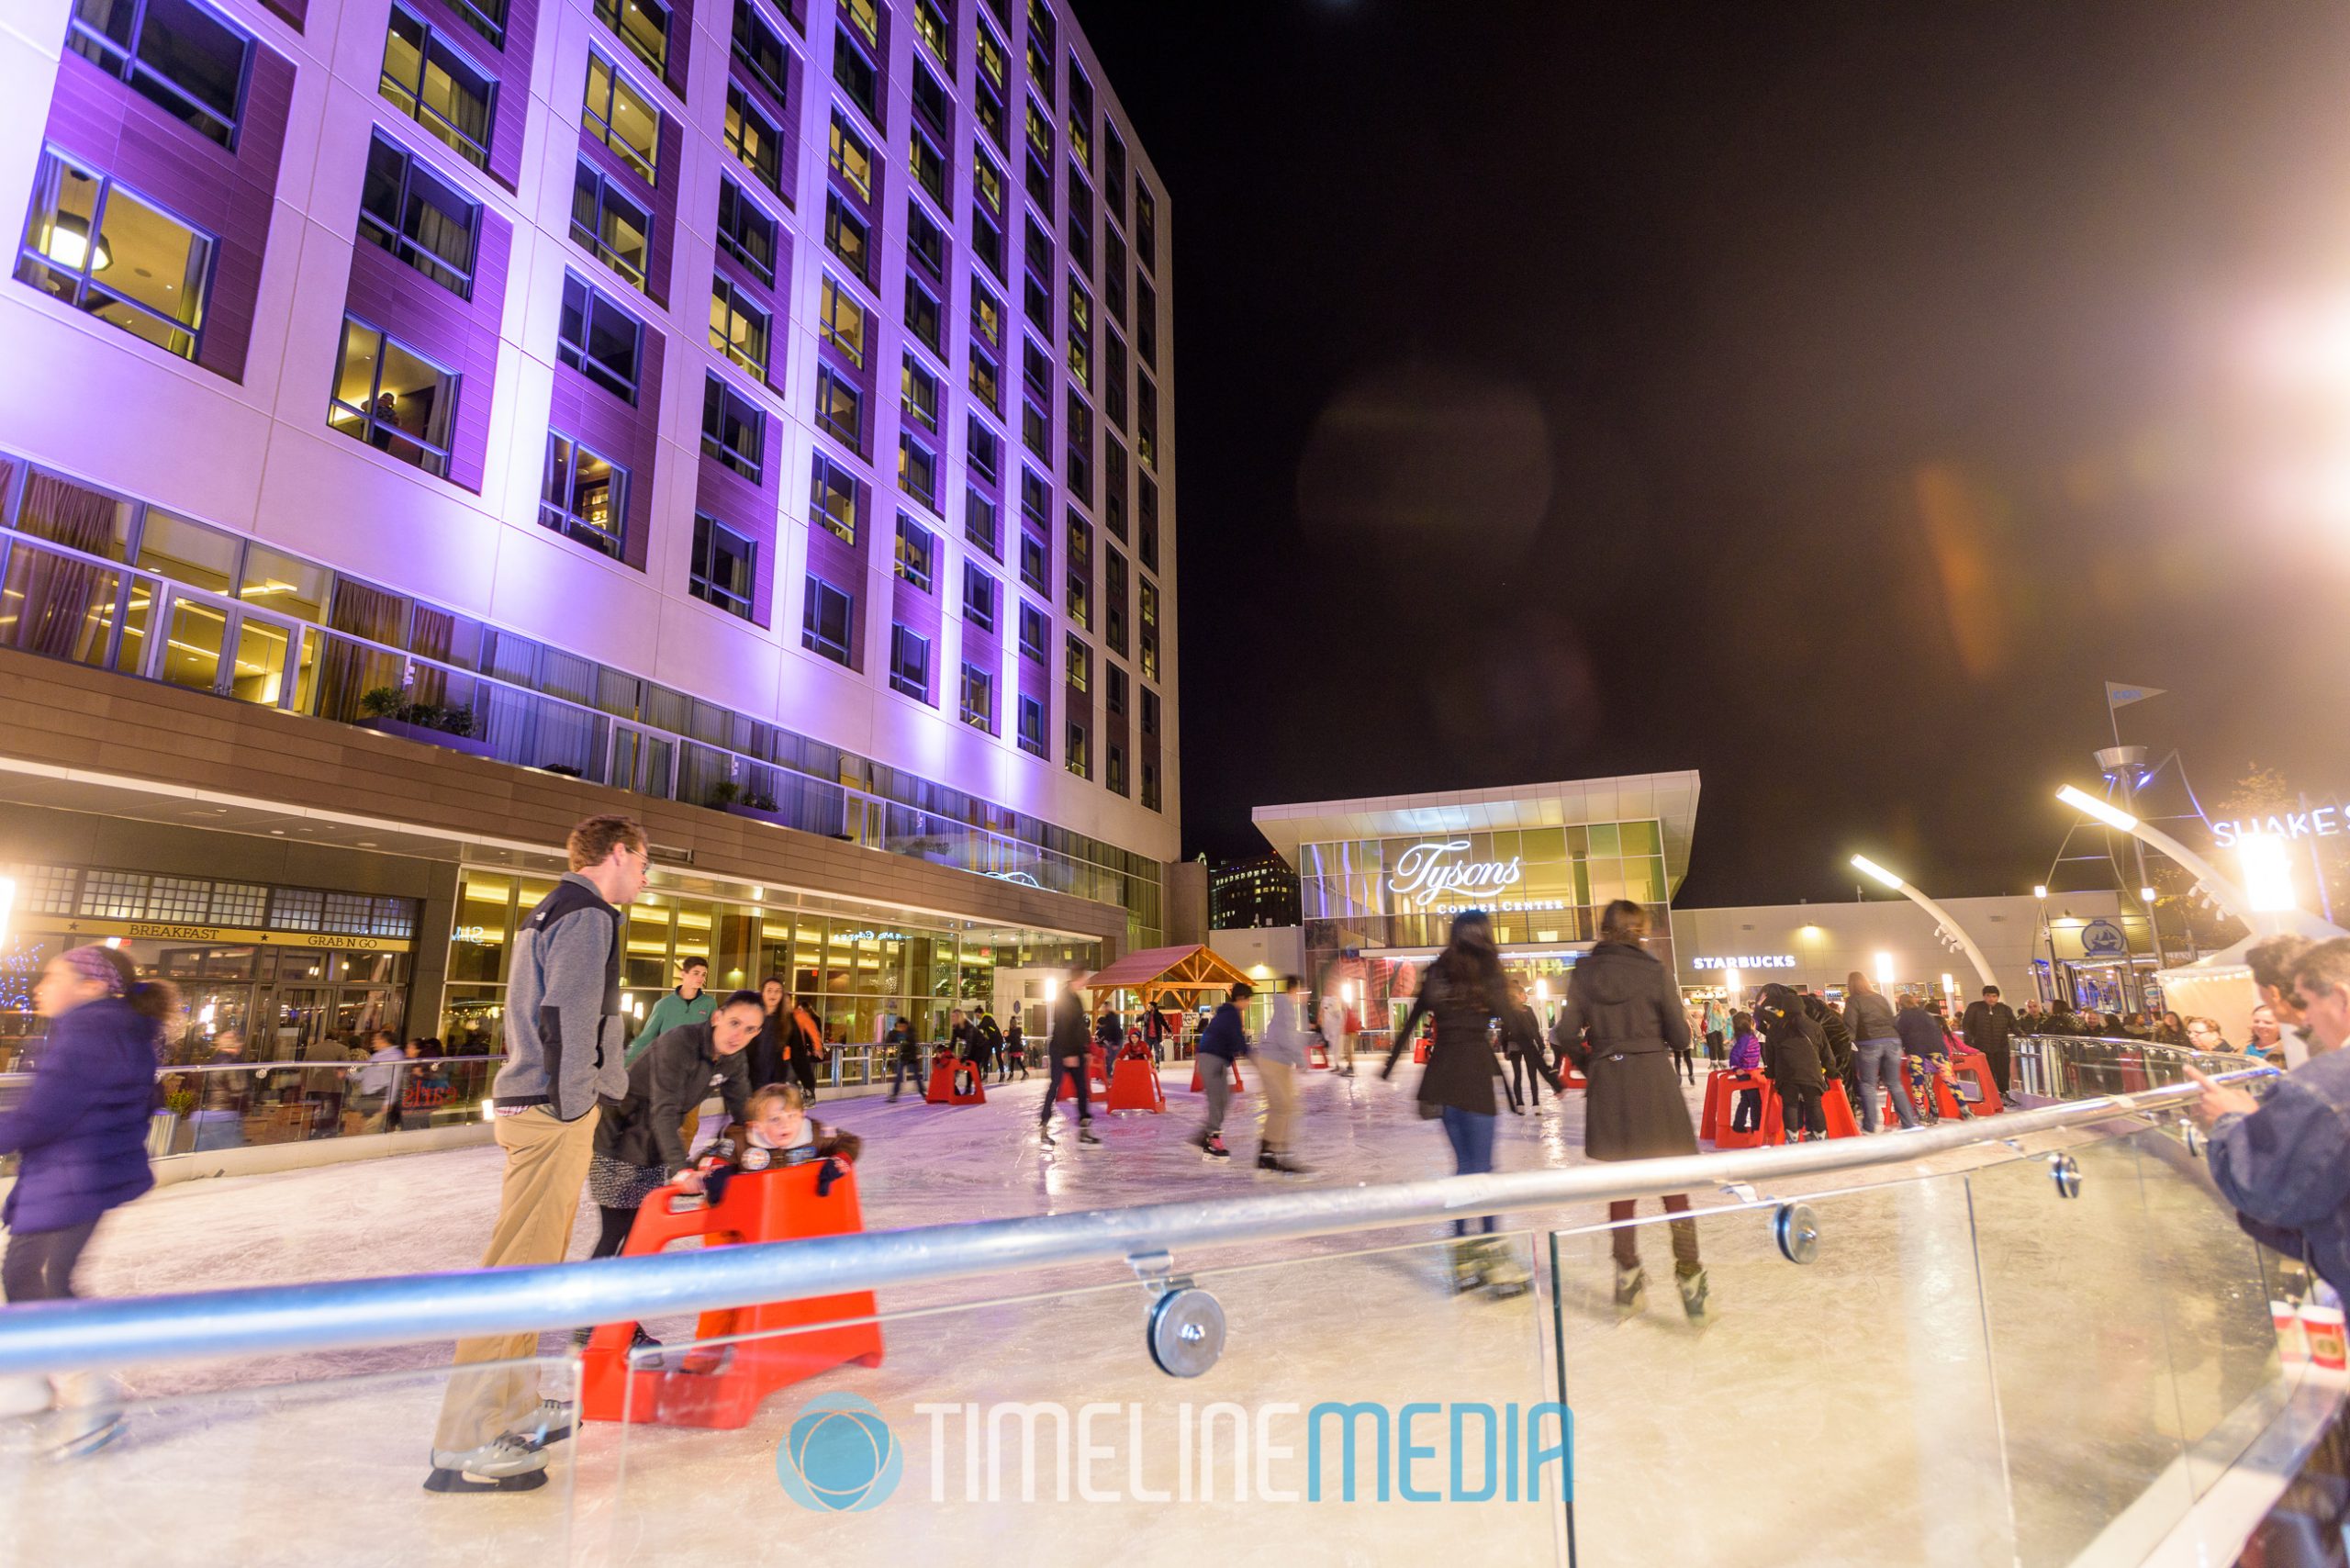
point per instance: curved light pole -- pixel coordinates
(2223, 891)
(1942, 917)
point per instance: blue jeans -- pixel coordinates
(1872, 1059)
(1472, 1133)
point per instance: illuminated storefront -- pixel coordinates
(1380, 880)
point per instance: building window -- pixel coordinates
(1032, 633)
(831, 498)
(987, 240)
(99, 246)
(1040, 137)
(987, 384)
(1035, 498)
(1114, 382)
(1150, 786)
(917, 552)
(1113, 597)
(1036, 367)
(1114, 275)
(979, 591)
(1146, 229)
(732, 429)
(856, 76)
(1146, 323)
(437, 87)
(926, 242)
(994, 62)
(1080, 220)
(584, 495)
(408, 211)
(173, 52)
(842, 320)
(840, 408)
(1146, 420)
(725, 566)
(1149, 643)
(927, 162)
(1114, 689)
(609, 224)
(1146, 536)
(923, 319)
(1077, 664)
(1076, 755)
(1036, 301)
(738, 329)
(1079, 466)
(393, 399)
(848, 237)
(599, 339)
(762, 52)
(1114, 777)
(1035, 428)
(1080, 115)
(827, 620)
(986, 316)
(931, 27)
(643, 25)
(620, 118)
(979, 698)
(753, 137)
(1113, 174)
(852, 158)
(745, 232)
(1032, 561)
(984, 450)
(919, 389)
(909, 663)
(918, 470)
(981, 524)
(866, 18)
(987, 181)
(1031, 727)
(1149, 712)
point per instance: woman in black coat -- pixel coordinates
(1463, 990)
(1794, 1055)
(1621, 1024)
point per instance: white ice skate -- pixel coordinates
(508, 1463)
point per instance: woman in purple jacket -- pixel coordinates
(81, 1130)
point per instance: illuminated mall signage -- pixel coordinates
(1747, 961)
(2325, 822)
(1428, 873)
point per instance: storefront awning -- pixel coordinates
(1169, 969)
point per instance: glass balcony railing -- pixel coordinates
(2039, 1345)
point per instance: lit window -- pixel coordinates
(584, 495)
(928, 163)
(851, 158)
(724, 566)
(918, 470)
(1078, 664)
(1076, 753)
(175, 52)
(738, 329)
(1032, 633)
(931, 27)
(618, 116)
(919, 389)
(849, 236)
(831, 498)
(867, 19)
(393, 399)
(992, 59)
(840, 407)
(987, 180)
(609, 223)
(751, 137)
(979, 698)
(745, 232)
(987, 315)
(99, 246)
(1031, 727)
(643, 25)
(917, 551)
(986, 383)
(842, 320)
(437, 87)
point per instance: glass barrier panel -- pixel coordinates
(1840, 1411)
(2214, 1283)
(1352, 1387)
(2088, 1408)
(326, 1470)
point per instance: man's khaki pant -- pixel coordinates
(546, 1166)
(1281, 1103)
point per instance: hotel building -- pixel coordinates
(434, 420)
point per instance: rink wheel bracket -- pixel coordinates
(1184, 1328)
(1796, 1230)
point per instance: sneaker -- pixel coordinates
(1631, 1289)
(1467, 1267)
(508, 1463)
(1213, 1147)
(1693, 1296)
(1505, 1276)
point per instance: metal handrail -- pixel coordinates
(272, 1064)
(341, 1314)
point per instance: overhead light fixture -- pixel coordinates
(1867, 866)
(2146, 895)
(1884, 969)
(2104, 811)
(2039, 890)
(68, 244)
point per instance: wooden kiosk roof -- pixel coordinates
(1169, 969)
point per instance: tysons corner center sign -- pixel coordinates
(1428, 873)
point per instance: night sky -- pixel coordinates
(1826, 397)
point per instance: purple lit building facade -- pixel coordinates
(763, 408)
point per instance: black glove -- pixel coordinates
(827, 1176)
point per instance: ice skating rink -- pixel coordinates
(1965, 1336)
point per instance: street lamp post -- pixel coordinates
(1942, 917)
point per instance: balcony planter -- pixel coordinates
(385, 724)
(756, 813)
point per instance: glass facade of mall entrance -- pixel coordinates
(855, 970)
(1376, 908)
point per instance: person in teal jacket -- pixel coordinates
(689, 1004)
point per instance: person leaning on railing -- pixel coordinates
(2285, 1163)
